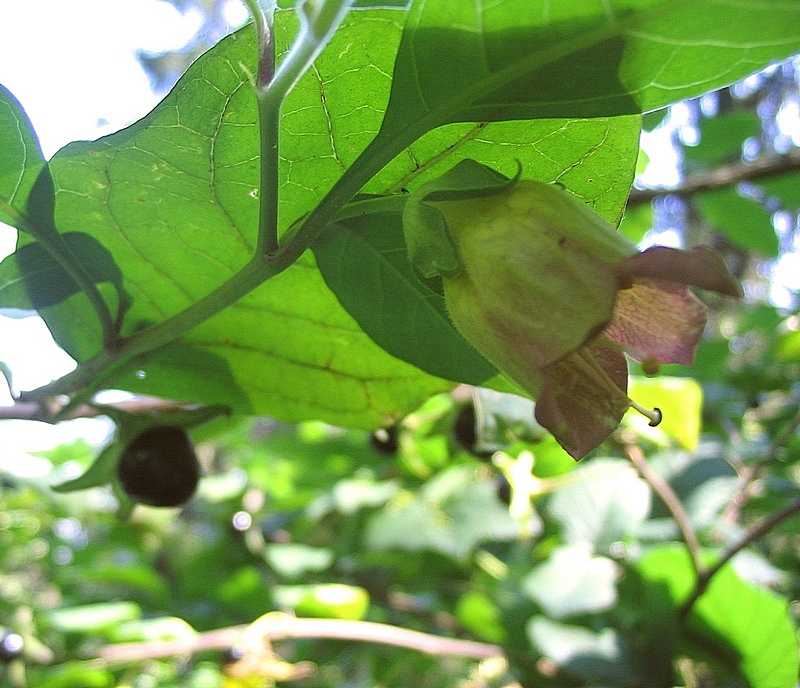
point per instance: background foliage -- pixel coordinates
(463, 518)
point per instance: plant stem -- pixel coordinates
(673, 504)
(722, 177)
(757, 531)
(279, 626)
(269, 98)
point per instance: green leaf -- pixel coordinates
(748, 627)
(744, 221)
(174, 199)
(598, 658)
(479, 614)
(295, 560)
(31, 278)
(189, 372)
(594, 158)
(21, 160)
(92, 618)
(390, 303)
(572, 582)
(722, 138)
(101, 472)
(521, 59)
(71, 674)
(452, 516)
(329, 600)
(174, 196)
(784, 187)
(607, 504)
(637, 222)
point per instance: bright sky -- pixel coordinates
(73, 67)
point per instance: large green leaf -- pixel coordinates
(174, 197)
(21, 159)
(744, 221)
(746, 626)
(31, 278)
(390, 303)
(521, 59)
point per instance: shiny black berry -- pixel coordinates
(385, 441)
(159, 467)
(10, 646)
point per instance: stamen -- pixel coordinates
(655, 415)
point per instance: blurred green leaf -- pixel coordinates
(325, 600)
(161, 629)
(637, 221)
(572, 582)
(76, 674)
(101, 472)
(596, 658)
(787, 347)
(605, 503)
(680, 400)
(294, 560)
(92, 618)
(746, 626)
(480, 615)
(784, 187)
(722, 138)
(452, 514)
(743, 221)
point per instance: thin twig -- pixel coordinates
(283, 626)
(721, 177)
(751, 472)
(757, 531)
(672, 502)
(52, 412)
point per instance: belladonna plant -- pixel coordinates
(551, 294)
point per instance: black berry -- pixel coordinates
(10, 646)
(385, 441)
(503, 489)
(159, 467)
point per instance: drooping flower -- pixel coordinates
(554, 296)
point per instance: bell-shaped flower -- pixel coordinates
(554, 296)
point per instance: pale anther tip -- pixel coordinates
(657, 417)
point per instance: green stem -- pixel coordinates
(269, 98)
(269, 108)
(56, 247)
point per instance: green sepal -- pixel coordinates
(431, 249)
(101, 472)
